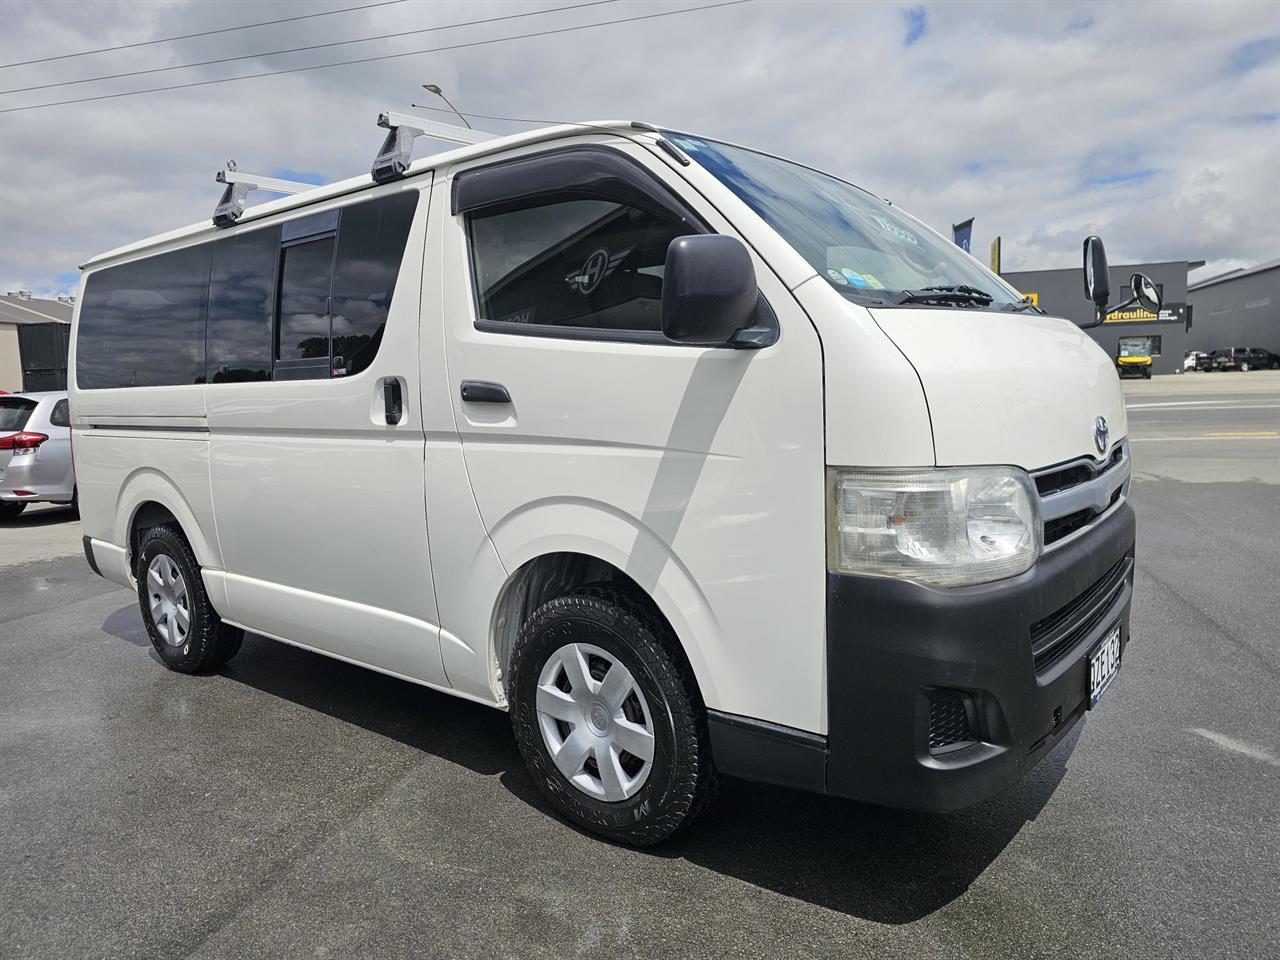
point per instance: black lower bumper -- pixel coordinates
(897, 649)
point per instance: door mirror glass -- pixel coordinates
(1097, 277)
(1145, 292)
(709, 290)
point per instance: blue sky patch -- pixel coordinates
(917, 25)
(302, 176)
(1126, 176)
(1254, 54)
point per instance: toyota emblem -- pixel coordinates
(1101, 433)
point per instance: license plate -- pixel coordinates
(1104, 664)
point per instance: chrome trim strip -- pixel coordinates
(1093, 494)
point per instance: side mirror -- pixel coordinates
(1097, 277)
(709, 293)
(1145, 292)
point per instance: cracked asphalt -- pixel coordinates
(294, 806)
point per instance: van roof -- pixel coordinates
(366, 181)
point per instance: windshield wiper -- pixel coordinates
(958, 294)
(1020, 305)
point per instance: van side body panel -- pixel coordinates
(696, 471)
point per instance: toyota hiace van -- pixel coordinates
(696, 460)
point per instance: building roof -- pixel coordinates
(21, 311)
(1235, 274)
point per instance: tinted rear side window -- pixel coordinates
(241, 306)
(14, 413)
(371, 243)
(60, 415)
(142, 323)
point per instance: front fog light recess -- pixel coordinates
(949, 527)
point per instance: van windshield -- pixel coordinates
(863, 246)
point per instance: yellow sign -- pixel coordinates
(1034, 298)
(995, 255)
(1131, 316)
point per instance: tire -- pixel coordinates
(644, 801)
(169, 585)
(10, 509)
(1244, 367)
(1146, 374)
(75, 500)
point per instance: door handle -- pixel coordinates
(482, 391)
(392, 400)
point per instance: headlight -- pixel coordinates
(948, 527)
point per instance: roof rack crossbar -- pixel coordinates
(402, 129)
(231, 206)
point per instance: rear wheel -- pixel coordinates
(608, 717)
(9, 509)
(185, 630)
(1245, 366)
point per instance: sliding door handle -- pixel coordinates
(482, 391)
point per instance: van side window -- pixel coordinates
(306, 286)
(582, 263)
(241, 306)
(60, 415)
(142, 324)
(304, 299)
(371, 242)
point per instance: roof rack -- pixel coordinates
(402, 129)
(239, 184)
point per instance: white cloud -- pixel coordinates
(999, 111)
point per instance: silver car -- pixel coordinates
(35, 451)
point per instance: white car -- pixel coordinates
(695, 460)
(1195, 360)
(35, 452)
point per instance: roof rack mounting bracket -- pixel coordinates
(231, 206)
(402, 129)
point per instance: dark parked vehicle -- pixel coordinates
(1245, 358)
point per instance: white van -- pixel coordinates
(694, 459)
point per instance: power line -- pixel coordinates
(314, 46)
(204, 33)
(386, 56)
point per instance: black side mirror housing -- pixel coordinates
(710, 297)
(1097, 276)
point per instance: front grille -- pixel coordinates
(1054, 636)
(950, 726)
(1072, 475)
(1062, 527)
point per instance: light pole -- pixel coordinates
(435, 88)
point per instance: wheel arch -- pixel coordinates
(543, 576)
(147, 498)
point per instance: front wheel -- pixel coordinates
(184, 628)
(1146, 374)
(1244, 367)
(608, 717)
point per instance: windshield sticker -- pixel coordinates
(853, 278)
(837, 277)
(893, 230)
(872, 281)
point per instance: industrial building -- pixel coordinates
(34, 335)
(1240, 308)
(1061, 293)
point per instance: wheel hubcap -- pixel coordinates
(167, 590)
(595, 722)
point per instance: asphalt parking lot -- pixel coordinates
(292, 805)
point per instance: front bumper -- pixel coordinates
(895, 647)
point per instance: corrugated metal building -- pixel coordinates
(1240, 308)
(33, 342)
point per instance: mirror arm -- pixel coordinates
(1120, 306)
(753, 338)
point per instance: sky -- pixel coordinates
(1155, 126)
